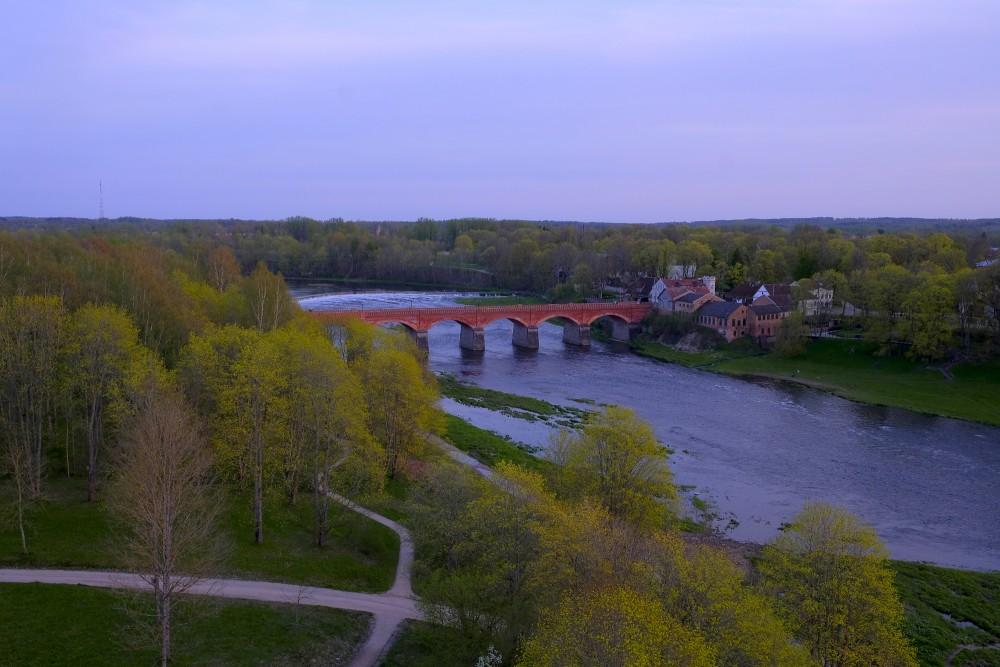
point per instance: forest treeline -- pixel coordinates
(921, 291)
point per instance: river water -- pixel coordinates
(755, 450)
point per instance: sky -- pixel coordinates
(618, 111)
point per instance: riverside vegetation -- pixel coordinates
(530, 564)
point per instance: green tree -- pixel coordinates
(268, 299)
(614, 626)
(105, 364)
(401, 395)
(616, 459)
(791, 335)
(830, 575)
(238, 378)
(930, 306)
(328, 445)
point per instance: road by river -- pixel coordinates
(755, 450)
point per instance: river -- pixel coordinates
(755, 450)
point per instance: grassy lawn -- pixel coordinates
(512, 405)
(487, 446)
(669, 354)
(974, 394)
(77, 625)
(421, 644)
(948, 608)
(66, 531)
(512, 300)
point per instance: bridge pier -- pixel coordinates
(472, 338)
(525, 336)
(420, 338)
(624, 331)
(576, 334)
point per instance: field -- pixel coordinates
(77, 625)
(849, 369)
(67, 531)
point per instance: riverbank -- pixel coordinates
(849, 369)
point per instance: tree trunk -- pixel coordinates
(258, 495)
(163, 608)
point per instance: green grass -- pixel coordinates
(512, 405)
(361, 555)
(66, 531)
(939, 601)
(974, 394)
(487, 446)
(76, 625)
(421, 644)
(673, 356)
(513, 300)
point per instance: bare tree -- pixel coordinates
(165, 504)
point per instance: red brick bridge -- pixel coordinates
(577, 317)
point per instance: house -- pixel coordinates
(726, 317)
(764, 317)
(747, 293)
(644, 287)
(666, 291)
(689, 302)
(813, 298)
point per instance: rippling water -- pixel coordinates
(756, 449)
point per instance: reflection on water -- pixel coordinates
(758, 449)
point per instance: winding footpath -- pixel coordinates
(389, 609)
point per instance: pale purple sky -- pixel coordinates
(623, 111)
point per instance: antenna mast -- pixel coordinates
(100, 189)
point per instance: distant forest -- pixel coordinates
(915, 282)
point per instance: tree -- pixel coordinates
(790, 338)
(830, 575)
(105, 364)
(268, 299)
(223, 269)
(613, 626)
(31, 329)
(328, 438)
(237, 377)
(163, 503)
(616, 459)
(929, 306)
(401, 396)
(703, 588)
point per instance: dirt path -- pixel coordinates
(386, 623)
(390, 609)
(372, 603)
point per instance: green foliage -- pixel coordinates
(616, 626)
(617, 460)
(487, 446)
(831, 576)
(211, 632)
(850, 368)
(512, 405)
(947, 608)
(422, 644)
(790, 340)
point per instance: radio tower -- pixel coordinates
(100, 189)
